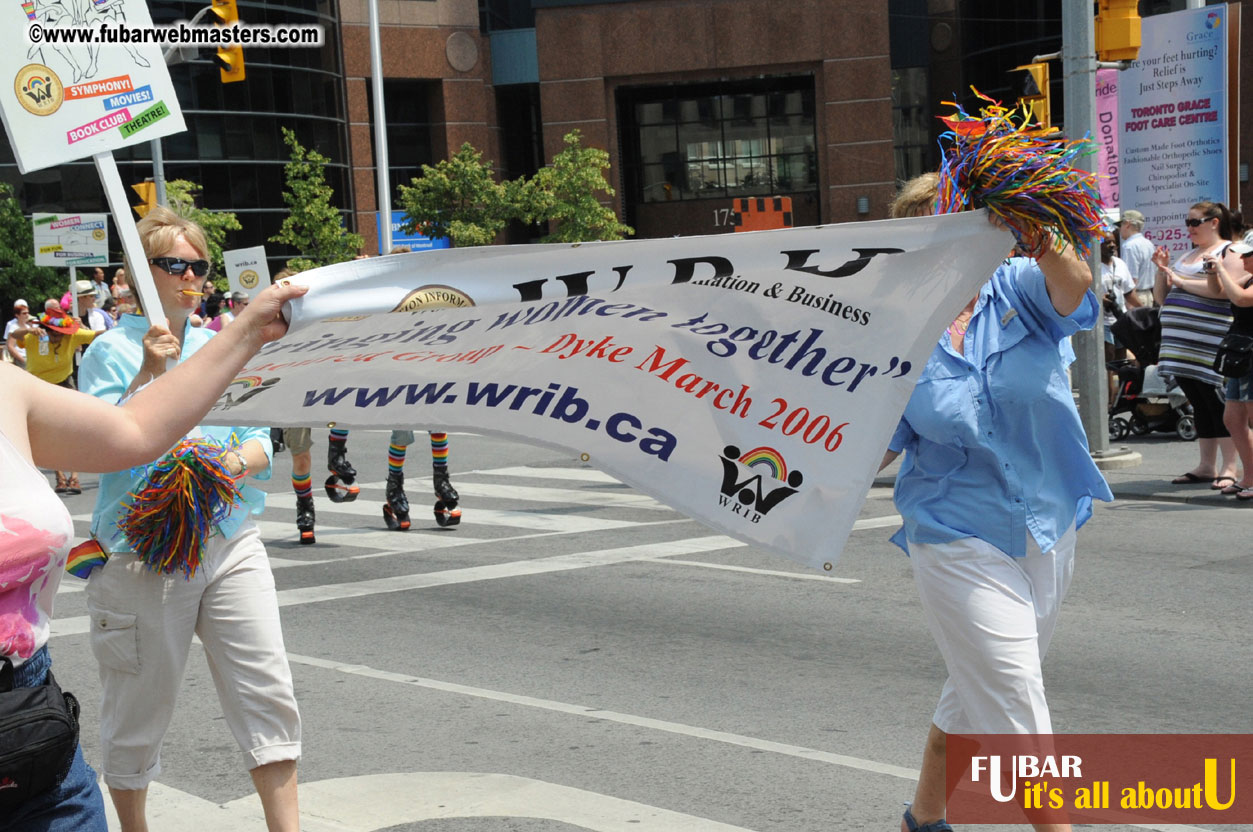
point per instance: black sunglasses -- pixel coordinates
(1194, 223)
(177, 266)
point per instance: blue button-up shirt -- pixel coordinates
(107, 370)
(994, 448)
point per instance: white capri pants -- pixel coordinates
(141, 631)
(992, 617)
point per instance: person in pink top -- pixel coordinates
(45, 425)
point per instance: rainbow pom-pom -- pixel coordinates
(186, 493)
(1023, 175)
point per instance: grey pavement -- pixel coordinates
(575, 656)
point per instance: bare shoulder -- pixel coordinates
(17, 386)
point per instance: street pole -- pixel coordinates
(158, 171)
(1079, 86)
(382, 177)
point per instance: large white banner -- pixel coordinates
(64, 240)
(751, 380)
(1173, 111)
(62, 100)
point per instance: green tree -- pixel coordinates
(19, 276)
(180, 196)
(313, 226)
(567, 194)
(459, 198)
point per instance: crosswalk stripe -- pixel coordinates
(473, 515)
(576, 474)
(420, 490)
(78, 625)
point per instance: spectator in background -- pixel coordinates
(1194, 319)
(99, 286)
(50, 349)
(237, 303)
(13, 351)
(1137, 253)
(119, 283)
(1119, 292)
(110, 309)
(92, 317)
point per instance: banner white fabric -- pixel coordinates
(749, 380)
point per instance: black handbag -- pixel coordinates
(1234, 358)
(38, 738)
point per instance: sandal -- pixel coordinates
(72, 485)
(1190, 479)
(60, 486)
(1234, 488)
(1230, 481)
(1245, 495)
(913, 825)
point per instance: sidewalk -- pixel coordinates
(1165, 456)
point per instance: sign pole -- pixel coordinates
(73, 294)
(1079, 73)
(383, 175)
(140, 277)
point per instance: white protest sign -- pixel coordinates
(751, 380)
(64, 240)
(66, 101)
(1173, 108)
(246, 270)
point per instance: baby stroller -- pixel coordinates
(1144, 403)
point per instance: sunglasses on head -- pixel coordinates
(1192, 222)
(178, 266)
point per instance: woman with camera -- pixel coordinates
(1194, 319)
(1230, 277)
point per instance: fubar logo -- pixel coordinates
(38, 90)
(746, 492)
(434, 296)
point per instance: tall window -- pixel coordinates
(747, 138)
(911, 124)
(408, 128)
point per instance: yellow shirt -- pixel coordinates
(56, 364)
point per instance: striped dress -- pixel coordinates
(1192, 326)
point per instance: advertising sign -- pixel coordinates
(415, 241)
(247, 270)
(1173, 108)
(64, 240)
(1107, 135)
(62, 101)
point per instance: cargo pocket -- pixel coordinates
(115, 640)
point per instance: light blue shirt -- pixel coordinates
(109, 365)
(993, 445)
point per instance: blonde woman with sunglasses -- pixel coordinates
(142, 621)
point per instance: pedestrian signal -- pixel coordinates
(148, 193)
(1035, 93)
(1118, 30)
(229, 58)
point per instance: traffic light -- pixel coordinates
(1118, 30)
(1035, 93)
(148, 193)
(229, 58)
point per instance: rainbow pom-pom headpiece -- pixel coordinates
(1022, 174)
(185, 495)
